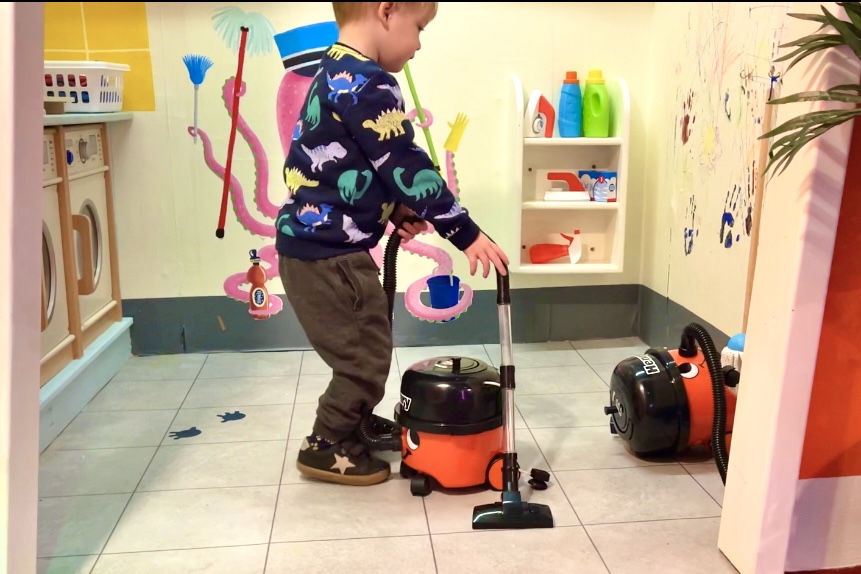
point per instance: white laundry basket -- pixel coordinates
(93, 87)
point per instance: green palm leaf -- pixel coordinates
(797, 132)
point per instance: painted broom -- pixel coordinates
(241, 31)
(197, 67)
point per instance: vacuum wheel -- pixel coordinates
(420, 485)
(407, 471)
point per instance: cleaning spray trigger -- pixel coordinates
(575, 246)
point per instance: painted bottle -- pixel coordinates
(596, 106)
(258, 295)
(571, 107)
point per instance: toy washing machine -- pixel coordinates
(57, 350)
(88, 175)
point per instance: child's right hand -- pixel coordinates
(486, 251)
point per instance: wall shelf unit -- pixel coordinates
(533, 219)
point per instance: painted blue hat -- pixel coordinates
(302, 48)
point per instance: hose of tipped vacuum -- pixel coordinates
(701, 336)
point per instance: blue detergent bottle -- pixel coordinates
(571, 107)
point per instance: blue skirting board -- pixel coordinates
(65, 395)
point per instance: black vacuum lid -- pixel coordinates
(442, 392)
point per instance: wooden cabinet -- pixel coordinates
(80, 277)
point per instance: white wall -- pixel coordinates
(710, 64)
(167, 200)
(20, 272)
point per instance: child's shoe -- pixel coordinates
(345, 462)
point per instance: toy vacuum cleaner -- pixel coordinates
(663, 402)
(454, 424)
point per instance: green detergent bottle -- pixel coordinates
(596, 107)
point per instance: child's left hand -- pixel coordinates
(407, 229)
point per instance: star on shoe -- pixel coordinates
(342, 463)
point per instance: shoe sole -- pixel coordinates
(351, 480)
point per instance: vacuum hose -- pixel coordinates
(691, 335)
(374, 431)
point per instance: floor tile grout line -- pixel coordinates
(315, 484)
(430, 535)
(651, 520)
(701, 486)
(146, 469)
(594, 370)
(283, 466)
(387, 536)
(571, 504)
(171, 445)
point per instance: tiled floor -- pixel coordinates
(122, 493)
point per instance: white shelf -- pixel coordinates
(85, 119)
(532, 220)
(556, 141)
(558, 268)
(586, 205)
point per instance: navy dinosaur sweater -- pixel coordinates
(353, 160)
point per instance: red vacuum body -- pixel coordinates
(451, 417)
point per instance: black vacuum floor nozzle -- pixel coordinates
(511, 516)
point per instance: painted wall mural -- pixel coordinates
(300, 50)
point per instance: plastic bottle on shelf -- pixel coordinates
(596, 106)
(571, 107)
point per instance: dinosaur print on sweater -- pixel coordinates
(323, 153)
(344, 83)
(353, 162)
(389, 123)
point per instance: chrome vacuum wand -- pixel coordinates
(511, 512)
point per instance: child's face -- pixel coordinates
(400, 40)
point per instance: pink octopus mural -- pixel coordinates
(301, 49)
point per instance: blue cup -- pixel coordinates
(444, 291)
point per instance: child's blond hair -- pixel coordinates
(346, 12)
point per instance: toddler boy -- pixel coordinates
(352, 167)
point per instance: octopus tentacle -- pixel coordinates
(236, 194)
(261, 162)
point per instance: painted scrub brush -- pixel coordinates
(241, 31)
(197, 66)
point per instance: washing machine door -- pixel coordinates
(55, 311)
(88, 193)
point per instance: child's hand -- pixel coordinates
(486, 251)
(407, 223)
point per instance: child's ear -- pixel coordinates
(385, 11)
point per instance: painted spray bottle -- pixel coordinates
(258, 295)
(571, 107)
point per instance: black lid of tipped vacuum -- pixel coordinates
(649, 405)
(451, 395)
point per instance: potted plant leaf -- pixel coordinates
(799, 131)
